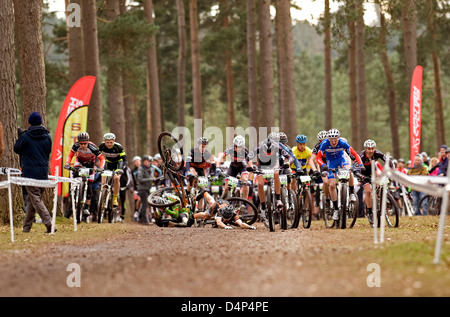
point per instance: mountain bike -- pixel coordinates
(80, 191)
(105, 198)
(305, 206)
(348, 210)
(431, 205)
(392, 213)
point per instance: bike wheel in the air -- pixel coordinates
(164, 197)
(171, 151)
(246, 210)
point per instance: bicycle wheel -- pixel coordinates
(164, 197)
(171, 151)
(269, 221)
(392, 217)
(79, 202)
(101, 207)
(352, 213)
(434, 206)
(328, 214)
(424, 203)
(246, 210)
(283, 211)
(292, 210)
(342, 222)
(305, 208)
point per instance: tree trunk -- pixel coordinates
(92, 68)
(327, 58)
(390, 87)
(8, 109)
(30, 48)
(195, 57)
(360, 73)
(438, 103)
(284, 37)
(409, 36)
(228, 70)
(181, 67)
(75, 49)
(352, 75)
(115, 87)
(152, 66)
(266, 66)
(253, 112)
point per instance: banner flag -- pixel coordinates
(79, 95)
(75, 123)
(415, 112)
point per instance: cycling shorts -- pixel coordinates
(339, 162)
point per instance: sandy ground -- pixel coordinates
(205, 262)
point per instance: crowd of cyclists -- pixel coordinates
(331, 151)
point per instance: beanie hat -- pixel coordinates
(35, 118)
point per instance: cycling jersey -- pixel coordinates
(86, 157)
(114, 156)
(236, 157)
(368, 161)
(273, 159)
(197, 159)
(302, 157)
(335, 155)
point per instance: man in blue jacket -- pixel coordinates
(34, 147)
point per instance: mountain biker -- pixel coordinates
(271, 154)
(226, 214)
(86, 153)
(116, 159)
(238, 152)
(334, 148)
(178, 217)
(321, 136)
(368, 155)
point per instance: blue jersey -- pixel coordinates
(334, 153)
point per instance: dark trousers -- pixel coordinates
(144, 204)
(35, 204)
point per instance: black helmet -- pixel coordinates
(267, 146)
(283, 137)
(83, 136)
(226, 212)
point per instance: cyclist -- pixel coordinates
(271, 154)
(238, 152)
(321, 136)
(226, 215)
(116, 159)
(179, 217)
(197, 161)
(86, 153)
(334, 148)
(368, 155)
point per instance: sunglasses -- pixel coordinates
(82, 143)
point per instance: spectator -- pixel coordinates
(443, 165)
(34, 147)
(441, 154)
(426, 161)
(434, 166)
(137, 200)
(401, 166)
(145, 177)
(418, 168)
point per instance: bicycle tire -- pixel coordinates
(250, 217)
(423, 204)
(79, 205)
(166, 143)
(154, 199)
(342, 222)
(328, 214)
(270, 221)
(292, 210)
(306, 212)
(101, 207)
(352, 213)
(283, 211)
(392, 216)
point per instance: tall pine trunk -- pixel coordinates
(253, 112)
(75, 50)
(228, 69)
(8, 108)
(352, 74)
(92, 67)
(152, 66)
(28, 15)
(266, 66)
(181, 65)
(195, 57)
(409, 22)
(327, 61)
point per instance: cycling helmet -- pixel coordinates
(301, 138)
(147, 158)
(333, 133)
(137, 157)
(202, 140)
(239, 141)
(369, 143)
(83, 136)
(267, 146)
(274, 136)
(322, 135)
(157, 156)
(226, 212)
(109, 136)
(283, 137)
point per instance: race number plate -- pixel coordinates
(343, 174)
(283, 179)
(305, 179)
(268, 173)
(107, 173)
(202, 182)
(84, 172)
(233, 181)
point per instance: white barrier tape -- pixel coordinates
(23, 181)
(12, 171)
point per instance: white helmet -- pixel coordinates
(369, 143)
(109, 136)
(137, 157)
(239, 141)
(333, 133)
(322, 135)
